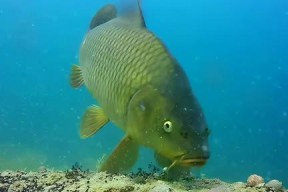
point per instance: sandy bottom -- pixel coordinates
(79, 180)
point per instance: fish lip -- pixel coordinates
(193, 162)
(187, 160)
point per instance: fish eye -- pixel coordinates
(167, 126)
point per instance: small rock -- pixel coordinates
(5, 173)
(139, 179)
(156, 175)
(275, 184)
(162, 188)
(260, 185)
(4, 187)
(17, 186)
(49, 188)
(254, 180)
(220, 189)
(239, 185)
(42, 169)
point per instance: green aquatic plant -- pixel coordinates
(141, 176)
(76, 172)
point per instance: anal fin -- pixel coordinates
(123, 157)
(93, 120)
(76, 78)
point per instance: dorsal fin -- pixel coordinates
(105, 14)
(141, 17)
(131, 13)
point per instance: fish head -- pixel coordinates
(189, 133)
(175, 128)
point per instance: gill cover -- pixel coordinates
(145, 117)
(139, 112)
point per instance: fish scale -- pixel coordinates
(116, 63)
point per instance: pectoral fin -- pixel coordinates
(76, 78)
(122, 158)
(93, 120)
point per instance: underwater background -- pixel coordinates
(235, 54)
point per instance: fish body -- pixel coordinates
(117, 61)
(143, 90)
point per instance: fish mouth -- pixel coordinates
(191, 162)
(186, 160)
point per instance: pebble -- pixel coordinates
(17, 186)
(162, 187)
(49, 188)
(4, 187)
(239, 184)
(57, 181)
(220, 188)
(5, 174)
(42, 169)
